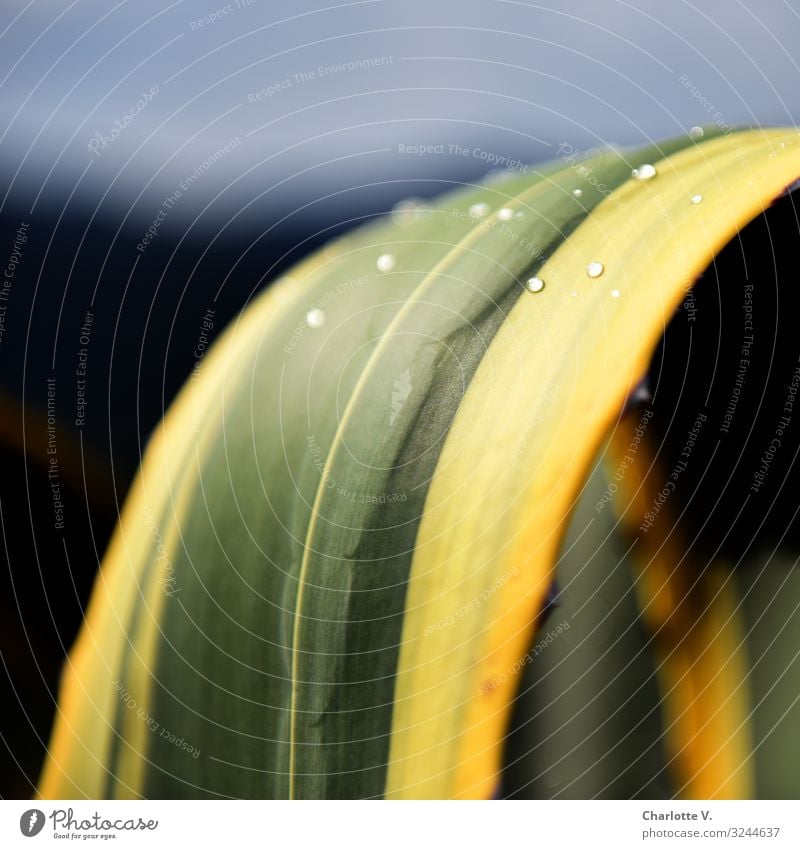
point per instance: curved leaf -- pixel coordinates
(283, 610)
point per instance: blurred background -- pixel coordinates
(162, 163)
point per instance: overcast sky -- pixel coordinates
(316, 97)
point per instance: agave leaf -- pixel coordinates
(587, 721)
(343, 535)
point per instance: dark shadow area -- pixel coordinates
(733, 355)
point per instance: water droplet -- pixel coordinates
(478, 210)
(315, 318)
(696, 132)
(574, 294)
(697, 199)
(408, 211)
(505, 214)
(644, 172)
(577, 193)
(615, 293)
(496, 175)
(386, 262)
(595, 269)
(535, 284)
(519, 214)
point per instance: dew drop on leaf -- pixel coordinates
(535, 284)
(577, 193)
(505, 214)
(315, 318)
(595, 269)
(697, 199)
(386, 262)
(407, 211)
(478, 210)
(696, 132)
(644, 172)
